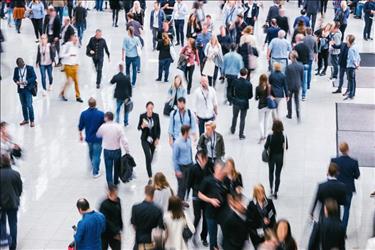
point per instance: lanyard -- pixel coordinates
(205, 97)
(22, 74)
(181, 117)
(213, 143)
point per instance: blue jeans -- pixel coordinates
(179, 26)
(341, 77)
(95, 150)
(164, 66)
(309, 71)
(112, 160)
(348, 202)
(80, 29)
(99, 5)
(350, 72)
(126, 114)
(12, 221)
(10, 15)
(43, 69)
(27, 105)
(212, 232)
(335, 65)
(305, 79)
(134, 62)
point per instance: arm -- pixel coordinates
(157, 127)
(19, 185)
(81, 126)
(176, 153)
(140, 123)
(124, 142)
(315, 202)
(80, 233)
(267, 144)
(113, 80)
(31, 80)
(106, 49)
(356, 173)
(99, 133)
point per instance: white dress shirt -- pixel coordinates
(69, 54)
(205, 102)
(113, 136)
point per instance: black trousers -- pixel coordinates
(199, 210)
(230, 79)
(148, 150)
(111, 242)
(179, 26)
(98, 62)
(323, 58)
(236, 111)
(115, 16)
(189, 70)
(250, 21)
(275, 161)
(182, 181)
(295, 94)
(323, 6)
(367, 28)
(37, 24)
(212, 79)
(312, 17)
(201, 123)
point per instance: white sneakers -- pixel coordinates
(96, 176)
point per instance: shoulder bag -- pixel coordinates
(34, 90)
(271, 103)
(129, 105)
(186, 232)
(266, 153)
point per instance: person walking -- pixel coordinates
(146, 216)
(190, 52)
(70, 59)
(323, 36)
(279, 88)
(180, 11)
(232, 65)
(205, 103)
(203, 38)
(348, 172)
(130, 54)
(194, 27)
(175, 221)
(251, 12)
(90, 120)
(213, 60)
(294, 75)
(95, 48)
(111, 209)
(352, 64)
(52, 28)
(341, 16)
(122, 93)
(262, 91)
(113, 138)
(36, 14)
(149, 124)
(310, 41)
(312, 8)
(276, 145)
(212, 142)
(89, 228)
(179, 117)
(369, 11)
(242, 93)
(138, 11)
(303, 56)
(284, 235)
(278, 51)
(45, 57)
(163, 191)
(19, 14)
(248, 50)
(11, 190)
(80, 15)
(182, 160)
(25, 78)
(176, 91)
(157, 18)
(115, 7)
(165, 58)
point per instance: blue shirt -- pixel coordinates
(89, 231)
(353, 58)
(37, 10)
(233, 63)
(130, 46)
(178, 119)
(280, 48)
(203, 39)
(90, 121)
(182, 153)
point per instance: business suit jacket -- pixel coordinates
(123, 89)
(333, 189)
(30, 78)
(294, 76)
(254, 11)
(348, 171)
(242, 93)
(273, 12)
(328, 234)
(278, 83)
(56, 26)
(155, 131)
(219, 147)
(235, 231)
(312, 6)
(161, 19)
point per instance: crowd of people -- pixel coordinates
(161, 220)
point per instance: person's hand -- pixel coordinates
(15, 146)
(156, 142)
(92, 52)
(266, 221)
(287, 98)
(117, 237)
(170, 141)
(215, 202)
(109, 60)
(255, 18)
(178, 174)
(81, 138)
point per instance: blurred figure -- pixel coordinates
(180, 11)
(44, 60)
(19, 14)
(279, 88)
(165, 58)
(190, 52)
(348, 172)
(262, 91)
(294, 74)
(89, 228)
(234, 178)
(284, 235)
(7, 145)
(11, 190)
(270, 242)
(163, 191)
(111, 209)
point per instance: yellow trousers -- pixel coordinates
(71, 72)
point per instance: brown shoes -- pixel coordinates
(32, 124)
(24, 123)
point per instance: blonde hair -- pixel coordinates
(259, 191)
(233, 172)
(174, 82)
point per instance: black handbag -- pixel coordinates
(129, 105)
(34, 90)
(167, 109)
(266, 154)
(182, 62)
(187, 233)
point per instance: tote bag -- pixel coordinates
(209, 67)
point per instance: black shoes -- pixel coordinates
(289, 116)
(338, 91)
(79, 99)
(63, 98)
(323, 73)
(98, 86)
(158, 79)
(205, 243)
(242, 137)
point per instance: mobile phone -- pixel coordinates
(74, 227)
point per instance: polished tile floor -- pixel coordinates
(55, 166)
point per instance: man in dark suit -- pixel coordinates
(251, 12)
(312, 8)
(294, 79)
(273, 11)
(348, 172)
(146, 216)
(25, 78)
(329, 233)
(331, 189)
(52, 27)
(242, 92)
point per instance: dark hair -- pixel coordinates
(331, 206)
(149, 103)
(181, 99)
(332, 169)
(130, 15)
(3, 124)
(175, 207)
(109, 115)
(149, 190)
(303, 12)
(243, 72)
(83, 204)
(185, 129)
(277, 126)
(4, 160)
(202, 152)
(92, 102)
(289, 241)
(233, 47)
(337, 25)
(112, 188)
(19, 60)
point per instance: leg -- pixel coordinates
(261, 118)
(204, 222)
(271, 170)
(148, 155)
(279, 166)
(197, 212)
(108, 161)
(289, 104)
(166, 69)
(177, 26)
(201, 123)
(242, 121)
(118, 108)
(12, 221)
(334, 61)
(127, 65)
(39, 26)
(341, 78)
(354, 86)
(212, 231)
(348, 202)
(182, 37)
(43, 69)
(115, 244)
(90, 145)
(266, 119)
(99, 68)
(305, 79)
(215, 76)
(49, 72)
(236, 110)
(134, 70)
(29, 104)
(116, 166)
(35, 26)
(126, 116)
(75, 80)
(160, 69)
(296, 102)
(116, 18)
(180, 188)
(309, 74)
(105, 242)
(96, 152)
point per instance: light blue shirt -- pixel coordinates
(182, 153)
(37, 10)
(203, 39)
(178, 119)
(230, 15)
(130, 46)
(179, 12)
(354, 58)
(233, 63)
(280, 48)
